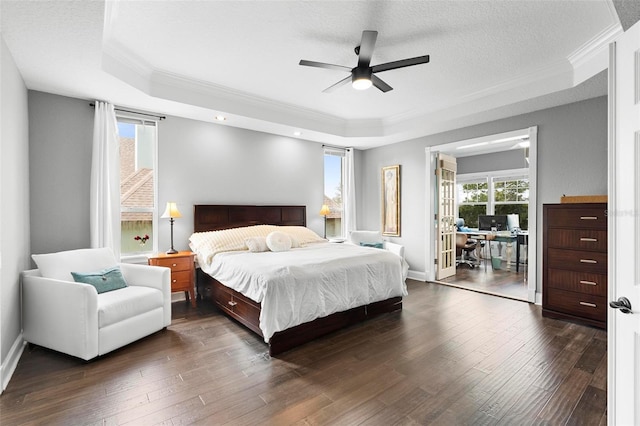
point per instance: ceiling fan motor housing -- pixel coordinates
(361, 73)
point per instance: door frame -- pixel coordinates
(431, 260)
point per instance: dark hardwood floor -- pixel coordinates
(501, 282)
(450, 357)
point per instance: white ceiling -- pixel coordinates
(489, 60)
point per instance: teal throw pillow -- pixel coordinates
(374, 245)
(106, 280)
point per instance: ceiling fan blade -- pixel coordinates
(401, 64)
(338, 84)
(377, 81)
(367, 44)
(323, 65)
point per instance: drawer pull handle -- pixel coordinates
(588, 282)
(591, 305)
(588, 217)
(174, 264)
(232, 303)
(588, 261)
(589, 240)
(175, 281)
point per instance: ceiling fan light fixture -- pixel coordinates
(361, 84)
(361, 78)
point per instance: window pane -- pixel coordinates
(520, 209)
(137, 193)
(470, 214)
(333, 194)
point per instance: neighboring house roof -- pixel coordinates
(334, 208)
(136, 186)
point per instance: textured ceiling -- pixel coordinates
(489, 59)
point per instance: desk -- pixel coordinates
(519, 238)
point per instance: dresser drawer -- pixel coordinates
(585, 305)
(579, 282)
(577, 260)
(579, 239)
(578, 218)
(176, 264)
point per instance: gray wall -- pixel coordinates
(572, 160)
(60, 139)
(198, 162)
(207, 163)
(504, 160)
(14, 209)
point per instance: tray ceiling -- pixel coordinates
(489, 60)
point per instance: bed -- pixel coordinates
(245, 309)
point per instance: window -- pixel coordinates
(511, 196)
(333, 174)
(137, 185)
(473, 197)
(502, 192)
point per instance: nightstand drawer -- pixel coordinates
(180, 280)
(182, 271)
(176, 263)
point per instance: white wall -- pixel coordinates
(14, 209)
(572, 160)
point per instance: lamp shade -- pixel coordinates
(171, 211)
(324, 211)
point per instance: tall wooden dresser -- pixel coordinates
(574, 283)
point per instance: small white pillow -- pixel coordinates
(256, 244)
(294, 242)
(278, 241)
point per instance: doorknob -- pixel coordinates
(623, 304)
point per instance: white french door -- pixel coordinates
(624, 230)
(446, 176)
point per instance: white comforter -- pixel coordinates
(303, 284)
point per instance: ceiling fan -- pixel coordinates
(363, 75)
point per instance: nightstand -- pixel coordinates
(182, 266)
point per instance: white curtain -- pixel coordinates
(105, 180)
(349, 200)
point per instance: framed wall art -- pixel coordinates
(391, 200)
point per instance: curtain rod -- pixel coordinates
(336, 147)
(159, 117)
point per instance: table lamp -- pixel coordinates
(324, 211)
(171, 212)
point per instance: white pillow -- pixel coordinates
(278, 241)
(367, 237)
(256, 244)
(60, 265)
(302, 234)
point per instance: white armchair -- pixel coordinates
(374, 237)
(73, 318)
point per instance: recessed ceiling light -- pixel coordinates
(297, 133)
(220, 117)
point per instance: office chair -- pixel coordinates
(464, 247)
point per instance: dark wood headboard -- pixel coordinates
(215, 217)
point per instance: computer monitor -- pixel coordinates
(491, 222)
(513, 222)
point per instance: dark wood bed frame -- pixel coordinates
(247, 311)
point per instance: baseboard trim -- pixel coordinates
(8, 367)
(417, 275)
